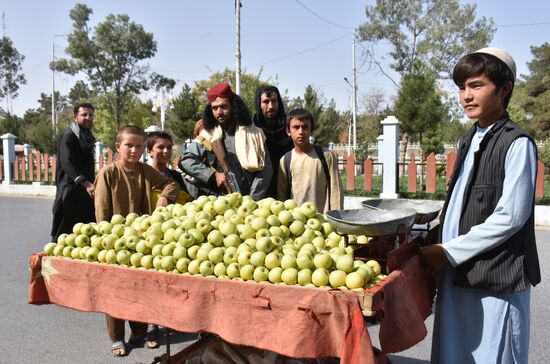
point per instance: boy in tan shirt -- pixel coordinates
(124, 187)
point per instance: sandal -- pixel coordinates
(149, 340)
(118, 349)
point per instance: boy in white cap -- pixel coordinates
(487, 260)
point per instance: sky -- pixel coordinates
(292, 42)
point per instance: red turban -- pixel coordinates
(222, 90)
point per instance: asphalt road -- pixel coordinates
(51, 334)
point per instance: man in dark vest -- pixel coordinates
(487, 260)
(75, 174)
(270, 116)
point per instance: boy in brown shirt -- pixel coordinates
(124, 187)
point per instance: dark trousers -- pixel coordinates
(115, 328)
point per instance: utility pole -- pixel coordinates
(354, 86)
(161, 100)
(54, 113)
(238, 53)
(3, 36)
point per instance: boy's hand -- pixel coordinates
(162, 201)
(434, 257)
(89, 188)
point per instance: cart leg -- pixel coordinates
(168, 344)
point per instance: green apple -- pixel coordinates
(227, 228)
(232, 240)
(91, 254)
(157, 250)
(308, 248)
(319, 242)
(48, 248)
(186, 240)
(96, 241)
(110, 257)
(182, 264)
(355, 280)
(204, 226)
(221, 205)
(297, 227)
(131, 242)
(229, 257)
(277, 242)
(276, 231)
(366, 271)
(357, 263)
(298, 215)
(327, 228)
(285, 230)
(120, 244)
(244, 257)
(215, 237)
(308, 209)
(157, 262)
(235, 219)
(338, 251)
(246, 231)
(141, 247)
(135, 259)
(201, 200)
(290, 204)
(322, 260)
(261, 274)
(285, 217)
(118, 230)
(259, 222)
(272, 220)
(304, 261)
(87, 229)
(320, 277)
(247, 272)
(203, 215)
(179, 252)
(76, 228)
(67, 251)
(376, 268)
(234, 270)
(123, 257)
(245, 247)
(220, 269)
(229, 212)
(82, 240)
(192, 251)
(289, 249)
(345, 263)
(209, 207)
(168, 263)
(166, 225)
(290, 276)
(194, 266)
(276, 207)
(101, 257)
(244, 211)
(168, 249)
(314, 224)
(189, 222)
(300, 241)
(264, 244)
(257, 258)
(202, 253)
(70, 239)
(273, 260)
(304, 276)
(197, 235)
(288, 261)
(216, 255)
(275, 275)
(117, 219)
(337, 278)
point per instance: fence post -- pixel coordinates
(99, 155)
(390, 152)
(431, 173)
(451, 159)
(38, 166)
(367, 179)
(539, 184)
(350, 172)
(412, 175)
(8, 143)
(47, 167)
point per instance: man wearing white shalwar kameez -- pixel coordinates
(483, 317)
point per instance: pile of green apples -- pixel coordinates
(228, 237)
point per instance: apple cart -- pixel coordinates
(297, 322)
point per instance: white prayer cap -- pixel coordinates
(502, 55)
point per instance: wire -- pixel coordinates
(323, 19)
(300, 52)
(522, 24)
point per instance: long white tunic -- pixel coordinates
(473, 325)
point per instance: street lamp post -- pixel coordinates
(54, 113)
(353, 127)
(161, 100)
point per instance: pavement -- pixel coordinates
(52, 334)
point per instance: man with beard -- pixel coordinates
(74, 177)
(227, 144)
(271, 118)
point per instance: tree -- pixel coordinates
(110, 56)
(369, 128)
(11, 76)
(80, 92)
(187, 112)
(537, 88)
(419, 108)
(435, 32)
